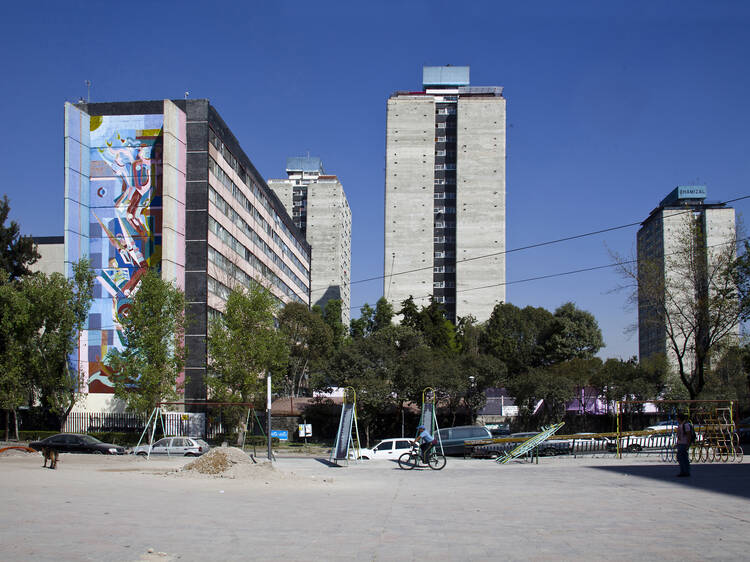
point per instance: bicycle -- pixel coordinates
(413, 458)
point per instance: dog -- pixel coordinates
(50, 454)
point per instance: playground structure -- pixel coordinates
(531, 445)
(717, 439)
(345, 446)
(712, 420)
(159, 413)
(428, 417)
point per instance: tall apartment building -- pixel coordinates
(165, 184)
(445, 194)
(682, 220)
(320, 211)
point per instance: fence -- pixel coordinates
(84, 422)
(175, 423)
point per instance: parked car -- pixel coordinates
(386, 449)
(499, 429)
(586, 442)
(667, 425)
(455, 439)
(175, 446)
(77, 443)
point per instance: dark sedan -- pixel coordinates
(77, 443)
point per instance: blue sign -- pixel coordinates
(280, 434)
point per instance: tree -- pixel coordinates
(367, 365)
(309, 340)
(468, 334)
(40, 319)
(332, 317)
(383, 314)
(410, 314)
(728, 380)
(17, 328)
(439, 332)
(147, 369)
(693, 298)
(362, 327)
(545, 384)
(18, 252)
(516, 336)
(62, 306)
(244, 346)
(573, 334)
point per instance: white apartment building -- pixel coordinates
(445, 195)
(682, 220)
(318, 205)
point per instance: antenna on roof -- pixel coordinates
(88, 90)
(187, 94)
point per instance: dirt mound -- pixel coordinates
(231, 462)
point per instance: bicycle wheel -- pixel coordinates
(407, 461)
(436, 461)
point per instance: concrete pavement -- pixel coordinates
(117, 508)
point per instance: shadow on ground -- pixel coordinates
(730, 479)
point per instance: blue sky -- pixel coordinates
(610, 105)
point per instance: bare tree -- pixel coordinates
(688, 295)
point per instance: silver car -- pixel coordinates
(175, 446)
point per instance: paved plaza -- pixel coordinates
(127, 509)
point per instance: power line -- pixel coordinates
(528, 247)
(571, 272)
(531, 246)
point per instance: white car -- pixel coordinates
(664, 426)
(387, 449)
(175, 446)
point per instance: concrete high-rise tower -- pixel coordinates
(682, 247)
(320, 210)
(445, 194)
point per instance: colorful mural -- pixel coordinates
(125, 226)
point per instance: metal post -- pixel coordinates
(268, 414)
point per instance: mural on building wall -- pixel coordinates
(125, 226)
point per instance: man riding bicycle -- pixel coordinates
(428, 442)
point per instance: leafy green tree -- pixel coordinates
(310, 343)
(40, 319)
(573, 334)
(410, 314)
(244, 345)
(482, 372)
(18, 252)
(62, 306)
(362, 327)
(468, 335)
(367, 365)
(147, 369)
(619, 379)
(17, 328)
(383, 314)
(545, 384)
(728, 379)
(332, 317)
(516, 336)
(439, 332)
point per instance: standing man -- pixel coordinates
(684, 439)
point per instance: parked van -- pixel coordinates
(454, 438)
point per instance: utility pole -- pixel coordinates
(268, 414)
